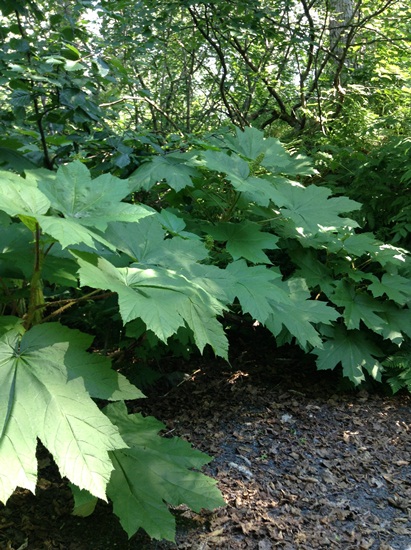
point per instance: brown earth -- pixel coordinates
(301, 464)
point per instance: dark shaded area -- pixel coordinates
(301, 463)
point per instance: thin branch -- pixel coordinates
(72, 302)
(147, 100)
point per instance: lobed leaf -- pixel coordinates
(20, 196)
(163, 298)
(358, 306)
(292, 308)
(254, 288)
(353, 351)
(394, 286)
(313, 211)
(245, 240)
(92, 203)
(46, 379)
(170, 168)
(154, 472)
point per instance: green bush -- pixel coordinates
(53, 230)
(233, 228)
(304, 270)
(380, 179)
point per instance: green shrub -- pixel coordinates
(241, 232)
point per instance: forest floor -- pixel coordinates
(301, 463)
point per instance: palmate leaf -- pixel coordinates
(175, 225)
(87, 205)
(360, 244)
(245, 240)
(17, 258)
(232, 165)
(397, 322)
(394, 286)
(69, 232)
(92, 203)
(257, 190)
(354, 351)
(261, 191)
(388, 254)
(21, 196)
(314, 272)
(84, 502)
(358, 306)
(46, 380)
(171, 168)
(146, 243)
(253, 286)
(12, 159)
(292, 308)
(251, 143)
(367, 244)
(153, 472)
(313, 211)
(163, 298)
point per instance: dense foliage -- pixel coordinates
(138, 189)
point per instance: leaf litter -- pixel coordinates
(301, 464)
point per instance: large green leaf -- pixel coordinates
(69, 232)
(234, 166)
(16, 252)
(314, 272)
(252, 144)
(253, 286)
(258, 190)
(20, 196)
(355, 353)
(146, 242)
(12, 159)
(358, 306)
(292, 308)
(360, 244)
(171, 168)
(92, 203)
(312, 210)
(245, 240)
(153, 472)
(46, 380)
(394, 286)
(17, 258)
(87, 205)
(10, 322)
(397, 322)
(163, 298)
(388, 254)
(175, 225)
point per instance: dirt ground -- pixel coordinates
(301, 463)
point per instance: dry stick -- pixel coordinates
(71, 302)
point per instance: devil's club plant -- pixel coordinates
(299, 265)
(51, 225)
(240, 230)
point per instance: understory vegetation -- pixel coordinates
(167, 171)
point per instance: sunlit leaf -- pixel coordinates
(46, 383)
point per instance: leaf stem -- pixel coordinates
(36, 298)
